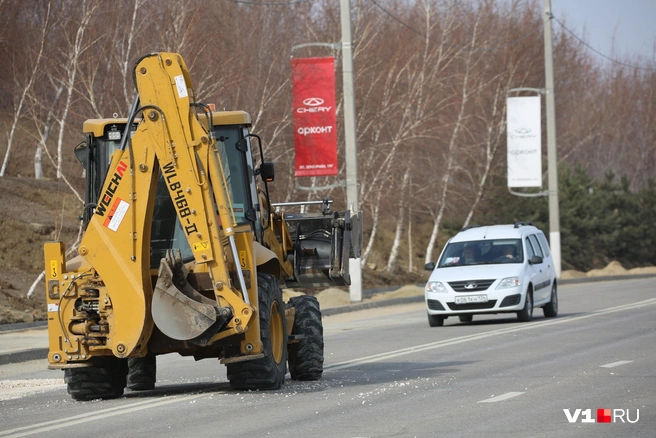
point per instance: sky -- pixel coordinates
(623, 29)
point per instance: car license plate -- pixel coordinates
(471, 299)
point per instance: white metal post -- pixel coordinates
(352, 189)
(554, 214)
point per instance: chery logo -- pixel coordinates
(603, 416)
(523, 130)
(313, 101)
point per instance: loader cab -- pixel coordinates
(231, 131)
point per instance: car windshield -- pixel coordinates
(482, 252)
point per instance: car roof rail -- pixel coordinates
(522, 224)
(469, 226)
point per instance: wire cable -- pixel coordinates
(598, 52)
(284, 3)
(475, 49)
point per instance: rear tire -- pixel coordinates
(466, 318)
(551, 309)
(526, 314)
(142, 372)
(306, 355)
(268, 372)
(435, 320)
(105, 379)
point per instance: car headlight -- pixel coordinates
(509, 282)
(435, 286)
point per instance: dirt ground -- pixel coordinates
(35, 211)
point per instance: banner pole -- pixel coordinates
(352, 189)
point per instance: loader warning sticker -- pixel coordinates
(181, 86)
(116, 214)
(53, 269)
(201, 246)
(53, 307)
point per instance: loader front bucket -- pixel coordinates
(323, 245)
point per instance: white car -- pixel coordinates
(492, 269)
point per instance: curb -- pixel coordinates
(42, 353)
(23, 356)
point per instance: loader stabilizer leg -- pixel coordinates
(179, 311)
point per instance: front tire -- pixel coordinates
(526, 314)
(306, 355)
(105, 379)
(268, 372)
(435, 320)
(551, 309)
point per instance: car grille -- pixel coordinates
(478, 285)
(511, 300)
(435, 305)
(472, 306)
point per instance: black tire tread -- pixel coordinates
(551, 309)
(106, 379)
(435, 320)
(264, 373)
(306, 356)
(526, 314)
(142, 373)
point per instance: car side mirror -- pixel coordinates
(429, 266)
(535, 260)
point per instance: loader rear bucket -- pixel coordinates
(323, 245)
(179, 311)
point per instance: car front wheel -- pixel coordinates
(435, 320)
(526, 314)
(551, 309)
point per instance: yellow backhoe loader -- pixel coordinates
(184, 252)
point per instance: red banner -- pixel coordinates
(315, 128)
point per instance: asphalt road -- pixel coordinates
(387, 373)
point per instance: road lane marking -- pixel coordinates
(615, 364)
(478, 336)
(94, 416)
(501, 397)
(148, 404)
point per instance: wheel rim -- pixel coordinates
(276, 332)
(529, 303)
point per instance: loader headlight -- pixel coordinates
(509, 282)
(435, 286)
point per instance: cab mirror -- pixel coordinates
(429, 266)
(267, 172)
(82, 153)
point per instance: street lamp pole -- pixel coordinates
(352, 190)
(554, 214)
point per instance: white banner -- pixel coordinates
(524, 142)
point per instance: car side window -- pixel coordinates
(536, 245)
(529, 249)
(544, 244)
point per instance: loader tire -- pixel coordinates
(306, 355)
(268, 372)
(105, 379)
(142, 372)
